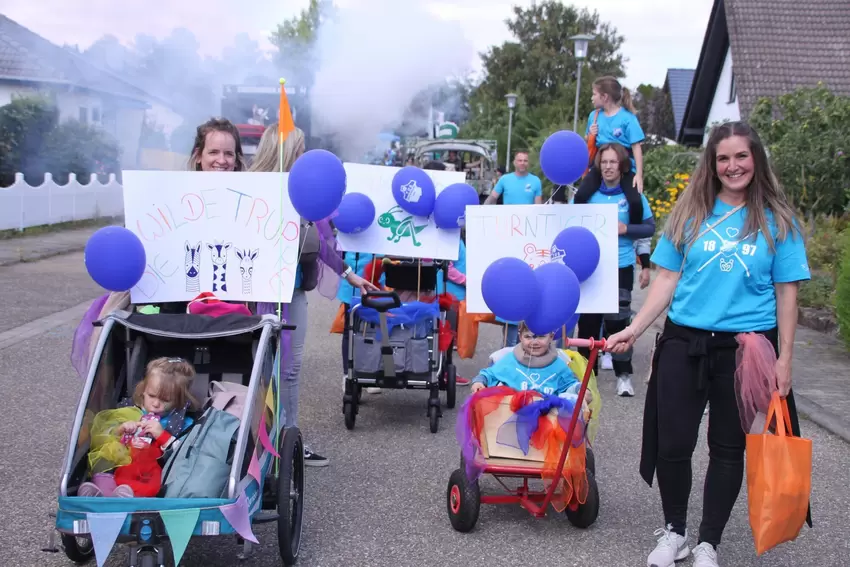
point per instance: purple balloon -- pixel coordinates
(510, 289)
(563, 157)
(578, 249)
(450, 207)
(414, 191)
(316, 184)
(560, 292)
(355, 214)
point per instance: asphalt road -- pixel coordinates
(382, 500)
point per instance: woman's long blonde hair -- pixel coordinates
(267, 157)
(764, 193)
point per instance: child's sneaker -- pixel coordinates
(607, 361)
(89, 490)
(373, 390)
(671, 548)
(461, 381)
(705, 555)
(123, 491)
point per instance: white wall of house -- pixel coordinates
(163, 117)
(80, 105)
(724, 107)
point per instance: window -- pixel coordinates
(733, 90)
(95, 114)
(84, 114)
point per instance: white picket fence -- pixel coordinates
(23, 206)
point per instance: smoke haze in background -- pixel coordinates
(373, 59)
(369, 63)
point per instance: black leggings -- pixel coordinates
(681, 403)
(589, 324)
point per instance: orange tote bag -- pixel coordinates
(779, 480)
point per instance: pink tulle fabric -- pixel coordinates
(755, 376)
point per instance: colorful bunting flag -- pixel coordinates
(179, 524)
(238, 516)
(104, 529)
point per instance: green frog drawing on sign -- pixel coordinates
(400, 228)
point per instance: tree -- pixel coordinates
(808, 135)
(542, 60)
(295, 39)
(655, 111)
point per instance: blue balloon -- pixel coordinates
(355, 214)
(560, 292)
(115, 258)
(570, 325)
(578, 249)
(414, 191)
(510, 289)
(564, 157)
(450, 207)
(316, 184)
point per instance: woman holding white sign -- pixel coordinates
(614, 164)
(314, 269)
(732, 281)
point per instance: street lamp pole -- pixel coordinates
(511, 98)
(580, 53)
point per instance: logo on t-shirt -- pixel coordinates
(618, 132)
(727, 250)
(623, 206)
(528, 188)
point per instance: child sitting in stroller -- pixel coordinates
(130, 440)
(533, 364)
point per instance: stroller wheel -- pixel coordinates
(290, 495)
(350, 412)
(80, 550)
(451, 386)
(463, 501)
(586, 514)
(434, 418)
(590, 460)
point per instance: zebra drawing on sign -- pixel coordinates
(219, 252)
(192, 267)
(246, 268)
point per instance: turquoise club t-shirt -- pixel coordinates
(625, 244)
(727, 283)
(518, 190)
(623, 128)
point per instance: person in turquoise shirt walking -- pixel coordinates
(731, 259)
(519, 187)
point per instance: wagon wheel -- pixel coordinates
(79, 549)
(290, 495)
(590, 460)
(451, 386)
(586, 514)
(463, 501)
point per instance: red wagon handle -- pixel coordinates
(594, 345)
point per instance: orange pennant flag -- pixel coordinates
(285, 125)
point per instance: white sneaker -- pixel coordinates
(671, 548)
(607, 361)
(705, 555)
(624, 386)
(373, 390)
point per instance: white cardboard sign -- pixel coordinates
(394, 231)
(235, 234)
(527, 232)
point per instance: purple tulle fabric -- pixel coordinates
(470, 446)
(517, 431)
(331, 267)
(81, 346)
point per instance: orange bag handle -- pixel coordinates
(779, 406)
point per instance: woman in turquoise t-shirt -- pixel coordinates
(613, 161)
(737, 273)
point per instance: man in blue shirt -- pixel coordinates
(519, 187)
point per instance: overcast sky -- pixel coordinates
(659, 34)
